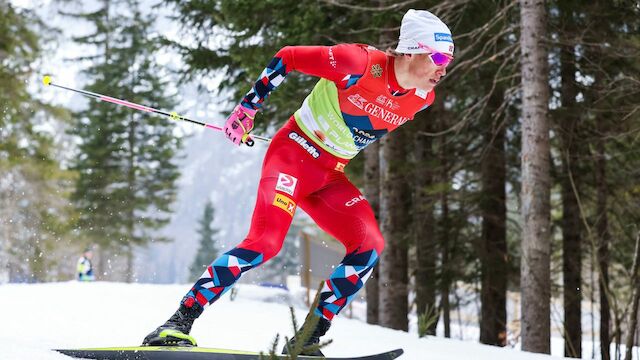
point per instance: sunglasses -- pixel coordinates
(437, 58)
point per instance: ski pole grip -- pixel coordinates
(247, 140)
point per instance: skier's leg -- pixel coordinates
(342, 211)
(269, 226)
(280, 186)
(262, 243)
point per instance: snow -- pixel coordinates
(40, 317)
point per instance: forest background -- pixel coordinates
(522, 177)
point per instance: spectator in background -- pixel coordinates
(84, 267)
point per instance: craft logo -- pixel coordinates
(286, 183)
(332, 59)
(443, 37)
(305, 144)
(339, 167)
(376, 70)
(285, 203)
(355, 200)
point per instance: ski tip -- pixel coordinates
(46, 80)
(393, 354)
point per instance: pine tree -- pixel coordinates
(569, 128)
(535, 276)
(275, 24)
(207, 251)
(287, 262)
(126, 167)
(394, 197)
(595, 169)
(32, 184)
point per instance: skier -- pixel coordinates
(362, 94)
(84, 267)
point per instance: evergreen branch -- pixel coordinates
(396, 6)
(302, 335)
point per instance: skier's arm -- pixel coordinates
(334, 63)
(329, 62)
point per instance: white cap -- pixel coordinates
(422, 27)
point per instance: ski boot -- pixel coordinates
(314, 339)
(175, 332)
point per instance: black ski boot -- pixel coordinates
(175, 332)
(321, 329)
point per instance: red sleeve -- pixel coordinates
(329, 62)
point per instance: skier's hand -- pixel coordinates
(239, 124)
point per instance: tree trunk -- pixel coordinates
(130, 262)
(423, 221)
(99, 262)
(571, 268)
(535, 196)
(602, 229)
(493, 323)
(394, 259)
(131, 186)
(372, 193)
(633, 317)
(571, 217)
(445, 281)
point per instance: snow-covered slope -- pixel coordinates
(37, 318)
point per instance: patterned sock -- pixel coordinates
(220, 276)
(345, 282)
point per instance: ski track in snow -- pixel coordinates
(40, 317)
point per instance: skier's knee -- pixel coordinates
(375, 241)
(267, 244)
(271, 248)
(379, 244)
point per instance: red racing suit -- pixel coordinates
(356, 101)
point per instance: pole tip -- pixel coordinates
(46, 80)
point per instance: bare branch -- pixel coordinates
(395, 6)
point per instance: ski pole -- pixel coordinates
(172, 115)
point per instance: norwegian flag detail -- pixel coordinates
(346, 280)
(221, 275)
(270, 78)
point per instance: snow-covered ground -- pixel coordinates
(39, 317)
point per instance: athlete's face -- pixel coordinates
(424, 73)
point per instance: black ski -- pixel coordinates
(195, 353)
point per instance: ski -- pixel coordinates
(196, 353)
